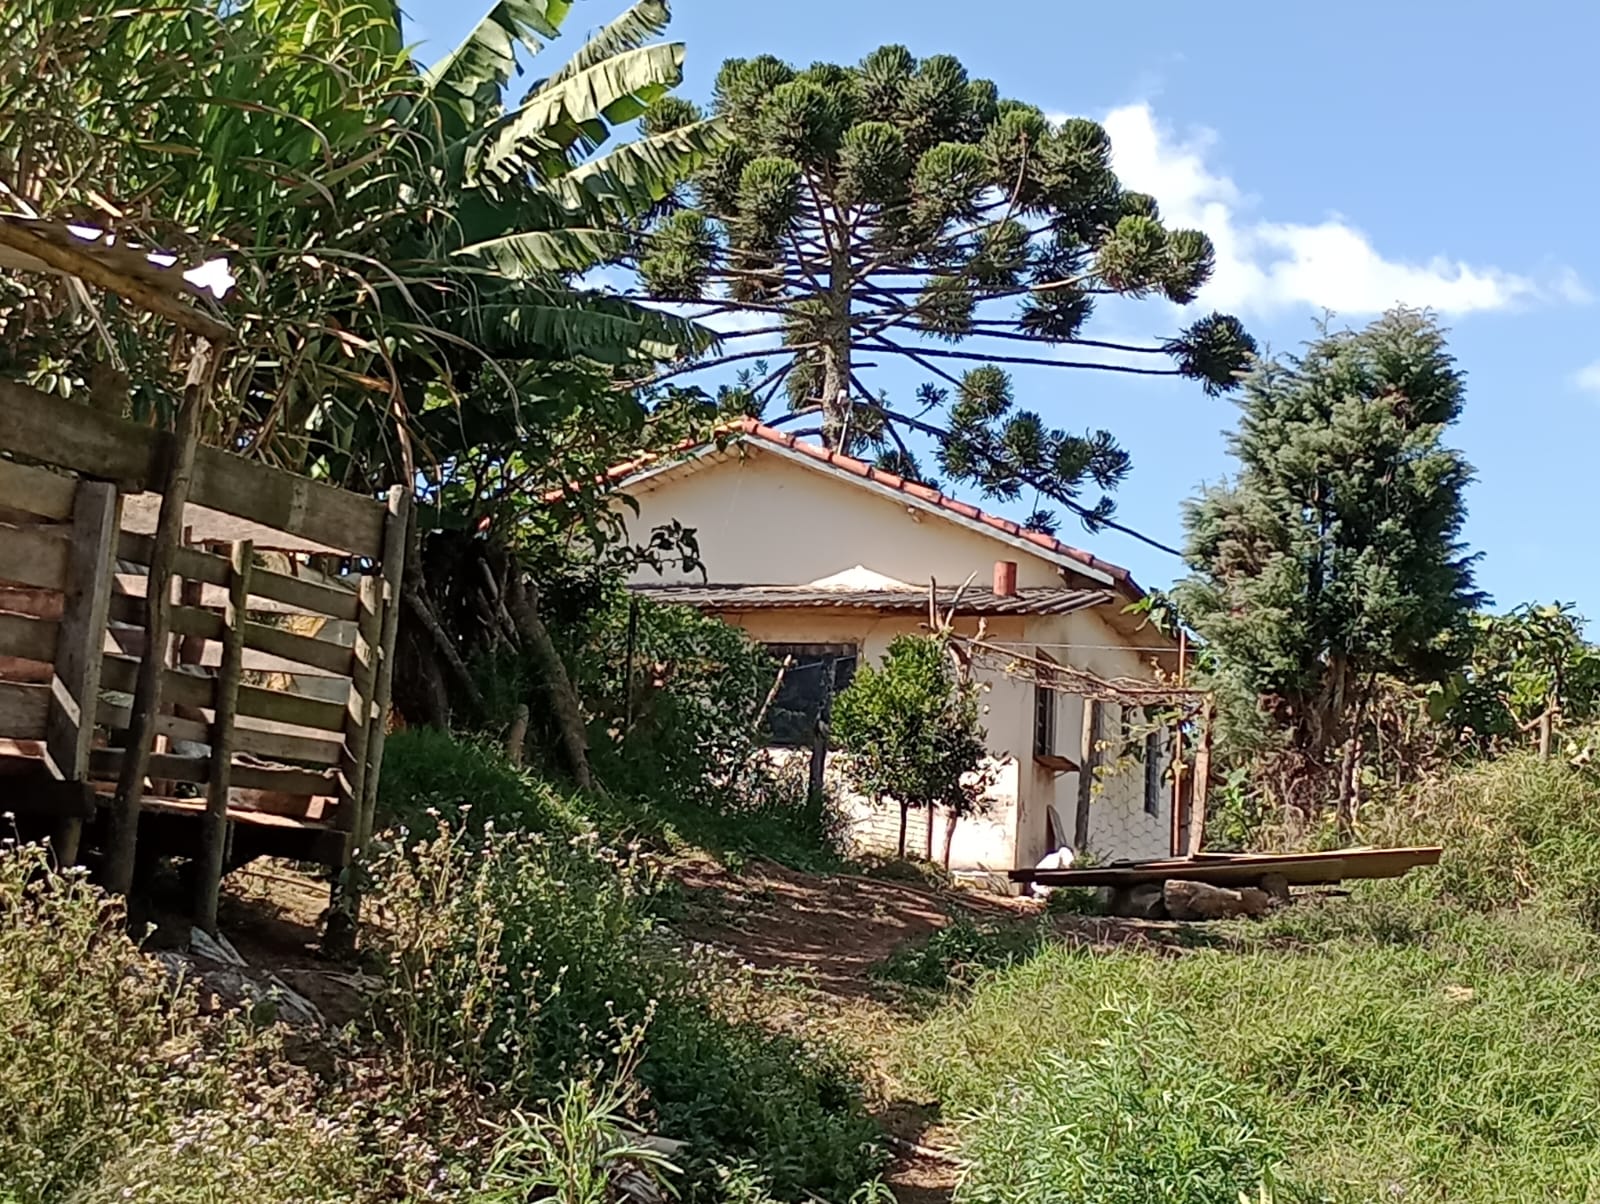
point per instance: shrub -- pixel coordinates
(523, 962)
(1135, 1120)
(1518, 831)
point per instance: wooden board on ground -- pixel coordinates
(1298, 869)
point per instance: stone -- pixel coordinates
(1202, 901)
(1141, 902)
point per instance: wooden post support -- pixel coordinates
(1088, 758)
(396, 539)
(819, 739)
(75, 688)
(214, 835)
(122, 842)
(1202, 780)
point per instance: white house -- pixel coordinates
(826, 559)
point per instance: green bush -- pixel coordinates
(1132, 1121)
(522, 962)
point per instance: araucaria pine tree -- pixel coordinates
(1334, 556)
(898, 210)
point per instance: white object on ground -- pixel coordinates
(1062, 859)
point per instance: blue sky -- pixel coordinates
(1342, 158)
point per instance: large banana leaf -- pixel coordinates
(613, 91)
(628, 32)
(478, 70)
(544, 252)
(638, 175)
(593, 326)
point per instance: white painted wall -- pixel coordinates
(761, 518)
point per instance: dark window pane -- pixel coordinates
(792, 718)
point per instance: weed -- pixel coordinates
(959, 952)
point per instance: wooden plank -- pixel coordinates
(73, 436)
(36, 491)
(1088, 759)
(213, 839)
(35, 556)
(358, 712)
(281, 706)
(280, 746)
(287, 502)
(301, 649)
(312, 596)
(28, 638)
(396, 542)
(108, 762)
(24, 709)
(1202, 780)
(188, 689)
(1298, 869)
(75, 689)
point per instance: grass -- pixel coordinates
(1436, 1039)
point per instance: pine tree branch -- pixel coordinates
(707, 365)
(983, 358)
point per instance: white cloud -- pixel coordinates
(1587, 378)
(1265, 265)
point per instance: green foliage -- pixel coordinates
(404, 241)
(1133, 1121)
(909, 729)
(959, 953)
(523, 963)
(428, 773)
(1520, 664)
(899, 197)
(1334, 556)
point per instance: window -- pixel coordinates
(1044, 710)
(1152, 772)
(792, 718)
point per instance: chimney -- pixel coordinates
(1005, 578)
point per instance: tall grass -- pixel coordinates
(1436, 1039)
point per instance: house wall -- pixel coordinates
(1119, 826)
(984, 842)
(764, 519)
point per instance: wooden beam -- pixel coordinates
(35, 556)
(28, 639)
(124, 829)
(1088, 759)
(23, 710)
(86, 266)
(36, 491)
(334, 601)
(213, 838)
(1202, 780)
(75, 687)
(397, 539)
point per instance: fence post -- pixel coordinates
(1088, 758)
(214, 832)
(1202, 779)
(122, 842)
(75, 686)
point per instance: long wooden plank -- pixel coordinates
(1299, 869)
(44, 428)
(27, 638)
(36, 491)
(75, 687)
(253, 741)
(327, 655)
(213, 839)
(33, 556)
(313, 596)
(107, 762)
(189, 689)
(396, 542)
(281, 706)
(23, 710)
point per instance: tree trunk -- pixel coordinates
(904, 814)
(949, 836)
(1345, 815)
(1088, 757)
(523, 601)
(836, 360)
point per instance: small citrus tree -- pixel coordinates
(909, 731)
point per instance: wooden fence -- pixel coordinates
(276, 675)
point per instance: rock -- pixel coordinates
(1277, 888)
(1141, 902)
(1202, 901)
